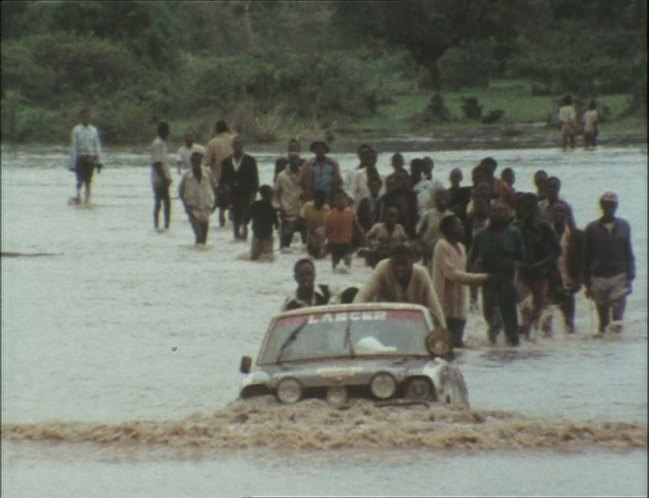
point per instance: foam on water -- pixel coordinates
(363, 425)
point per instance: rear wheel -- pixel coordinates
(419, 389)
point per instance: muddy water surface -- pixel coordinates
(120, 352)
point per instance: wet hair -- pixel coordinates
(220, 126)
(401, 250)
(489, 164)
(553, 179)
(266, 190)
(363, 148)
(395, 156)
(417, 164)
(163, 128)
(447, 223)
(539, 173)
(303, 261)
(528, 197)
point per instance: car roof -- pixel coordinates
(336, 308)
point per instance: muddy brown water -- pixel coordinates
(120, 358)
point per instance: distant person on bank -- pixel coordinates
(85, 154)
(197, 195)
(591, 125)
(568, 122)
(161, 176)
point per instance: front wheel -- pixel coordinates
(419, 389)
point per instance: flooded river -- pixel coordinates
(121, 348)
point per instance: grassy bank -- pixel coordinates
(527, 120)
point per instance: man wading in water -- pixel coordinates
(85, 154)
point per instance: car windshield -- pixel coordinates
(345, 334)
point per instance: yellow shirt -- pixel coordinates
(312, 217)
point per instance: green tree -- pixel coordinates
(428, 28)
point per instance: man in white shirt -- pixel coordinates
(85, 154)
(160, 175)
(184, 164)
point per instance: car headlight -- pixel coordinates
(289, 390)
(383, 385)
(337, 395)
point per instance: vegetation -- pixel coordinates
(277, 69)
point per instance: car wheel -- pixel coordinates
(337, 395)
(383, 385)
(289, 390)
(419, 389)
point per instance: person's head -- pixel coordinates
(455, 177)
(552, 188)
(482, 188)
(304, 274)
(221, 126)
(361, 152)
(370, 158)
(608, 202)
(540, 177)
(440, 199)
(481, 203)
(391, 183)
(489, 164)
(391, 217)
(196, 159)
(567, 100)
(478, 174)
(416, 169)
(499, 213)
(293, 146)
(429, 164)
(397, 161)
(319, 198)
(189, 139)
(517, 201)
(237, 145)
(266, 192)
(560, 213)
(163, 130)
(508, 176)
(527, 207)
(319, 148)
(592, 105)
(340, 200)
(294, 161)
(401, 261)
(84, 116)
(374, 183)
(452, 229)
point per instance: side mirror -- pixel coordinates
(246, 363)
(438, 342)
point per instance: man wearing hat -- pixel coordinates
(608, 264)
(321, 172)
(197, 195)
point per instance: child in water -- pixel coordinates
(339, 230)
(313, 215)
(264, 218)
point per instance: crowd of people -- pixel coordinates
(426, 242)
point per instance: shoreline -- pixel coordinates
(519, 136)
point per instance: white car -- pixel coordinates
(377, 350)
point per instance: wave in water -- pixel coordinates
(312, 424)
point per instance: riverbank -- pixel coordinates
(517, 136)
